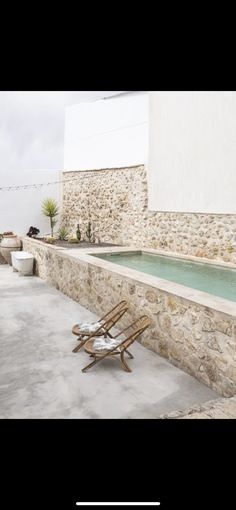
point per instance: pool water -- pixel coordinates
(209, 278)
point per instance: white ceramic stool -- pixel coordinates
(23, 262)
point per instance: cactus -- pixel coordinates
(78, 233)
(89, 231)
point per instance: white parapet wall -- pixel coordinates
(192, 152)
(107, 133)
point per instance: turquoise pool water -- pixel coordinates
(208, 278)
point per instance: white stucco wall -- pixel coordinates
(192, 152)
(107, 133)
(20, 209)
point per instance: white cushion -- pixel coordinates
(88, 328)
(101, 343)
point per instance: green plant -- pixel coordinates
(50, 209)
(73, 240)
(78, 233)
(50, 239)
(89, 231)
(62, 234)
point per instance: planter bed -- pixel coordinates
(81, 244)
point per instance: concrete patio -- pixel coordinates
(40, 377)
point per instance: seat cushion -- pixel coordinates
(88, 328)
(102, 343)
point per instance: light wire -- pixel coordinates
(65, 180)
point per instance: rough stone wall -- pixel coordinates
(197, 339)
(116, 201)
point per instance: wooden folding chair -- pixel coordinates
(102, 326)
(131, 333)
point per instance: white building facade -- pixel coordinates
(107, 133)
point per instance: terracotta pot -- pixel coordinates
(8, 244)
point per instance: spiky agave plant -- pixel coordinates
(63, 234)
(51, 210)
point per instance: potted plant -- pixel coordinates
(9, 242)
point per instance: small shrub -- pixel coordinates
(62, 234)
(33, 232)
(73, 240)
(50, 239)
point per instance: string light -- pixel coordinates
(35, 185)
(65, 180)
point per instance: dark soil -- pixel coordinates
(81, 244)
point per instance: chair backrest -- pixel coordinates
(133, 331)
(113, 318)
(120, 306)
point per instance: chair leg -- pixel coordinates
(129, 354)
(123, 362)
(90, 364)
(78, 347)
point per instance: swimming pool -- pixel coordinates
(210, 278)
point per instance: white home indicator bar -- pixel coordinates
(115, 503)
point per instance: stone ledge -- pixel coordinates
(132, 167)
(193, 296)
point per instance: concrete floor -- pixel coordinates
(41, 378)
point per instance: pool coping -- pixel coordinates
(194, 295)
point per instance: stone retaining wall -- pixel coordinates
(197, 339)
(116, 201)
